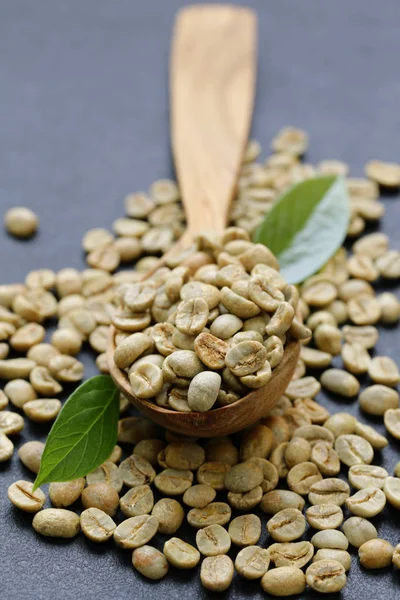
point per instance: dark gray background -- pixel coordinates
(84, 120)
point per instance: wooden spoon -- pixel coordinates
(213, 72)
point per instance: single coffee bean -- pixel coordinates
(328, 338)
(97, 525)
(305, 387)
(243, 477)
(252, 562)
(184, 455)
(277, 500)
(218, 513)
(354, 450)
(211, 349)
(245, 530)
(370, 434)
(216, 573)
(180, 554)
(367, 502)
(292, 554)
(325, 458)
(21, 222)
(136, 531)
(376, 554)
(326, 576)
(324, 516)
(63, 494)
(101, 495)
(246, 358)
(298, 451)
(109, 473)
(364, 309)
(203, 391)
(377, 399)
(287, 525)
(21, 494)
(358, 531)
(150, 562)
(137, 501)
(330, 538)
(341, 423)
(68, 341)
(10, 422)
(192, 316)
(364, 476)
(198, 496)
(169, 514)
(56, 522)
(225, 326)
(315, 359)
(30, 454)
(213, 540)
(44, 383)
(390, 308)
(340, 382)
(287, 581)
(136, 470)
(355, 358)
(362, 266)
(321, 317)
(383, 370)
(256, 442)
(146, 380)
(329, 491)
(42, 411)
(366, 336)
(19, 392)
(149, 449)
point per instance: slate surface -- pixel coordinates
(84, 120)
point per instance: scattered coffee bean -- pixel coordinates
(289, 580)
(359, 530)
(97, 525)
(150, 562)
(326, 576)
(376, 554)
(252, 562)
(56, 522)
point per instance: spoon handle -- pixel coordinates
(212, 86)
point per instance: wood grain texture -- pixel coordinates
(220, 421)
(212, 87)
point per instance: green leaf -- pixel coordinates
(306, 226)
(84, 434)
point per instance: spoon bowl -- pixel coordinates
(219, 421)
